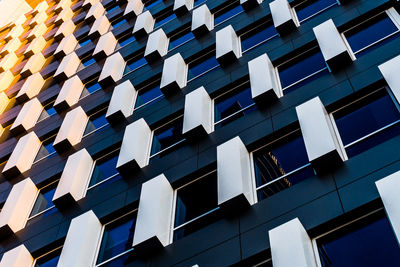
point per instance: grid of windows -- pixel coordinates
(311, 8)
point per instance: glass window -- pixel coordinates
(180, 39)
(150, 4)
(202, 66)
(371, 34)
(196, 205)
(311, 8)
(134, 64)
(166, 137)
(126, 40)
(161, 21)
(233, 105)
(44, 205)
(105, 169)
(88, 61)
(108, 11)
(150, 94)
(48, 111)
(302, 70)
(46, 149)
(281, 165)
(367, 242)
(117, 241)
(96, 121)
(118, 23)
(90, 88)
(367, 122)
(199, 2)
(227, 13)
(258, 36)
(84, 42)
(49, 259)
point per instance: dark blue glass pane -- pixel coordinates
(356, 122)
(93, 88)
(119, 23)
(199, 2)
(44, 199)
(126, 40)
(167, 135)
(370, 32)
(164, 20)
(258, 37)
(88, 62)
(377, 45)
(148, 94)
(197, 69)
(50, 110)
(123, 260)
(227, 14)
(313, 7)
(104, 168)
(112, 9)
(371, 244)
(85, 42)
(300, 68)
(96, 121)
(148, 6)
(135, 64)
(117, 238)
(49, 260)
(232, 102)
(306, 81)
(182, 39)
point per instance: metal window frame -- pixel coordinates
(38, 193)
(97, 129)
(48, 155)
(315, 14)
(94, 166)
(45, 254)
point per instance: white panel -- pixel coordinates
(133, 8)
(154, 214)
(263, 83)
(228, 45)
(62, 4)
(74, 179)
(66, 46)
(69, 94)
(322, 144)
(64, 16)
(11, 46)
(27, 117)
(284, 17)
(99, 27)
(17, 257)
(388, 189)
(202, 20)
(39, 30)
(105, 46)
(22, 157)
(89, 3)
(8, 62)
(135, 146)
(174, 74)
(234, 176)
(390, 72)
(197, 118)
(68, 67)
(157, 45)
(31, 87)
(291, 245)
(35, 47)
(64, 30)
(33, 65)
(14, 33)
(183, 6)
(144, 24)
(6, 79)
(17, 207)
(113, 69)
(248, 4)
(95, 12)
(41, 7)
(122, 102)
(4, 101)
(81, 242)
(332, 45)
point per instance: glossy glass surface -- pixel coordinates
(200, 67)
(88, 62)
(163, 21)
(312, 7)
(255, 38)
(112, 9)
(50, 109)
(104, 168)
(174, 42)
(49, 260)
(227, 13)
(96, 121)
(84, 42)
(44, 199)
(46, 149)
(199, 2)
(119, 23)
(93, 87)
(150, 5)
(147, 95)
(167, 135)
(135, 64)
(126, 40)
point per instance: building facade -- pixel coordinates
(201, 133)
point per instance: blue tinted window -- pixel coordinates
(194, 200)
(126, 40)
(227, 13)
(147, 95)
(167, 135)
(238, 102)
(112, 9)
(46, 149)
(50, 110)
(44, 199)
(364, 243)
(84, 42)
(93, 87)
(365, 117)
(96, 121)
(88, 61)
(49, 260)
(300, 68)
(164, 20)
(135, 64)
(200, 67)
(311, 7)
(370, 32)
(180, 40)
(104, 168)
(119, 23)
(148, 6)
(259, 36)
(199, 2)
(117, 239)
(281, 159)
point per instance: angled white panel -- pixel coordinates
(248, 4)
(27, 117)
(322, 144)
(39, 30)
(6, 79)
(105, 46)
(157, 45)
(174, 74)
(41, 7)
(202, 20)
(122, 102)
(74, 179)
(332, 45)
(66, 46)
(197, 118)
(62, 4)
(8, 62)
(35, 47)
(133, 8)
(291, 245)
(113, 69)
(89, 3)
(38, 19)
(144, 24)
(234, 176)
(135, 148)
(71, 130)
(154, 214)
(99, 27)
(68, 66)
(11, 46)
(18, 256)
(228, 45)
(4, 101)
(31, 88)
(263, 82)
(284, 17)
(65, 15)
(390, 73)
(69, 93)
(14, 33)
(23, 155)
(33, 65)
(17, 207)
(95, 12)
(81, 242)
(183, 6)
(64, 30)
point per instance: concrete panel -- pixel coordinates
(88, 4)
(34, 64)
(62, 4)
(40, 8)
(122, 102)
(27, 117)
(65, 15)
(66, 46)
(133, 8)
(174, 74)
(69, 94)
(157, 45)
(228, 46)
(182, 7)
(39, 19)
(389, 70)
(8, 62)
(105, 46)
(4, 101)
(11, 47)
(96, 11)
(99, 27)
(68, 67)
(6, 79)
(284, 17)
(17, 257)
(144, 24)
(39, 30)
(202, 21)
(35, 47)
(14, 33)
(31, 88)
(113, 69)
(67, 28)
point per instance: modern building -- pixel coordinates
(200, 133)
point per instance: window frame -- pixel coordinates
(199, 61)
(94, 166)
(37, 195)
(44, 110)
(48, 155)
(255, 29)
(85, 92)
(47, 253)
(315, 14)
(223, 7)
(101, 127)
(148, 102)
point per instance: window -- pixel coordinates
(280, 165)
(96, 122)
(367, 122)
(126, 40)
(108, 11)
(167, 137)
(232, 105)
(163, 20)
(227, 13)
(44, 206)
(116, 241)
(46, 149)
(135, 63)
(90, 88)
(150, 4)
(372, 33)
(202, 65)
(368, 241)
(49, 259)
(48, 111)
(196, 205)
(258, 36)
(198, 2)
(311, 8)
(150, 94)
(83, 42)
(105, 170)
(118, 23)
(301, 70)
(88, 61)
(180, 39)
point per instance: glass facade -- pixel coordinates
(256, 37)
(96, 121)
(104, 169)
(311, 8)
(148, 95)
(202, 66)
